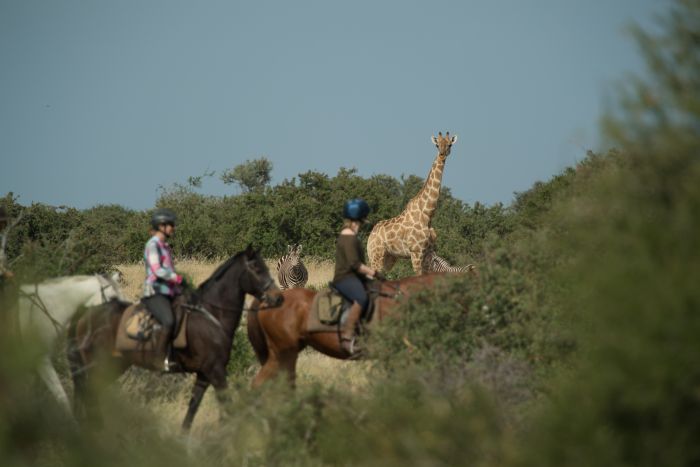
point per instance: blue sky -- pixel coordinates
(104, 101)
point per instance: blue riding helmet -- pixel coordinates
(356, 209)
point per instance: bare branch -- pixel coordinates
(3, 239)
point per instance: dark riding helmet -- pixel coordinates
(356, 209)
(162, 216)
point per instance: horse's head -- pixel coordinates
(107, 289)
(257, 280)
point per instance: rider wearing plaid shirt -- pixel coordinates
(162, 282)
(161, 277)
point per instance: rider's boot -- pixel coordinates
(347, 333)
(164, 350)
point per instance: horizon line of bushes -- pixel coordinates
(53, 241)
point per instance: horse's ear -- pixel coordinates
(250, 251)
(117, 276)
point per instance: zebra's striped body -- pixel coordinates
(439, 264)
(291, 272)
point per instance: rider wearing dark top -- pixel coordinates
(350, 270)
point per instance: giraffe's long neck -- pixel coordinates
(425, 202)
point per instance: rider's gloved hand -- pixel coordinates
(379, 275)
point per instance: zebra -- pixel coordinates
(291, 272)
(439, 264)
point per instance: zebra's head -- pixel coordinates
(294, 251)
(291, 272)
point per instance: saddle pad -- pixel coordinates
(125, 343)
(326, 311)
(139, 325)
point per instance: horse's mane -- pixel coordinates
(216, 275)
(58, 280)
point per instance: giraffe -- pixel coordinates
(409, 234)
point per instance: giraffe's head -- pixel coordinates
(444, 143)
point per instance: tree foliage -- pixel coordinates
(251, 175)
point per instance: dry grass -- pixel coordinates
(320, 273)
(313, 368)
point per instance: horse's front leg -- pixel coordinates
(223, 397)
(50, 377)
(277, 362)
(200, 386)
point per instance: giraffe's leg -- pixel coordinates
(428, 253)
(417, 262)
(374, 250)
(432, 235)
(420, 260)
(427, 263)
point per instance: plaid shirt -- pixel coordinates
(161, 277)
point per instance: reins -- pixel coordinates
(110, 283)
(378, 292)
(207, 314)
(266, 286)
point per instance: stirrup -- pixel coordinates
(170, 365)
(348, 344)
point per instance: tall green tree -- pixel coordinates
(662, 109)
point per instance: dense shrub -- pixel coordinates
(55, 241)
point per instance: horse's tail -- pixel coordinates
(256, 336)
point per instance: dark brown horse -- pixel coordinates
(278, 334)
(209, 333)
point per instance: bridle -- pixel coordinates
(267, 285)
(109, 283)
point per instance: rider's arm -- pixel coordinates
(353, 254)
(156, 266)
(366, 270)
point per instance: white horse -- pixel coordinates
(47, 308)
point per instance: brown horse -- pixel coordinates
(278, 334)
(210, 332)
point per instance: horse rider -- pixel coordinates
(162, 282)
(350, 271)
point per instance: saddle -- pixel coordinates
(329, 306)
(138, 328)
